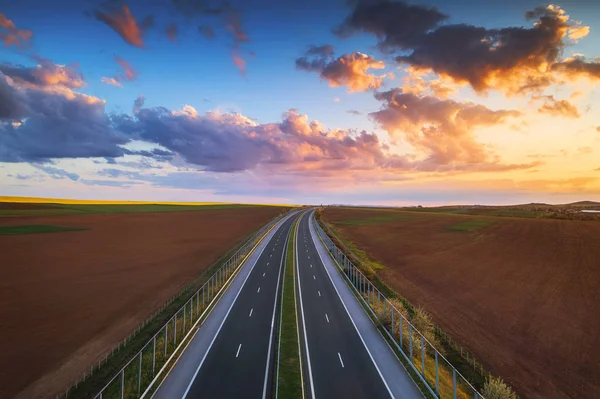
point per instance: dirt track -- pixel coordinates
(67, 298)
(522, 295)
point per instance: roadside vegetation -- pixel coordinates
(289, 373)
(35, 229)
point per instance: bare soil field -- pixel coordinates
(67, 298)
(522, 295)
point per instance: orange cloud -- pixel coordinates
(440, 129)
(129, 73)
(555, 107)
(349, 70)
(239, 62)
(123, 23)
(12, 36)
(579, 67)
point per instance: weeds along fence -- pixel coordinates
(138, 377)
(438, 375)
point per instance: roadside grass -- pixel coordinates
(289, 374)
(469, 368)
(373, 220)
(35, 229)
(470, 225)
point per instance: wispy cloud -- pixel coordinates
(123, 22)
(10, 35)
(129, 73)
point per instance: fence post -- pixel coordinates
(153, 355)
(139, 384)
(437, 374)
(454, 381)
(122, 382)
(423, 355)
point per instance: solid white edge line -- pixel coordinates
(187, 390)
(350, 316)
(283, 255)
(340, 356)
(310, 377)
(238, 351)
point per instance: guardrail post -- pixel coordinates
(437, 374)
(122, 383)
(153, 355)
(166, 330)
(184, 310)
(392, 310)
(139, 384)
(423, 355)
(454, 381)
(410, 345)
(175, 330)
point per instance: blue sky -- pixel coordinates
(199, 72)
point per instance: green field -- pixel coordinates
(80, 209)
(470, 225)
(35, 229)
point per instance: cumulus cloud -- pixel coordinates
(45, 74)
(556, 107)
(129, 73)
(12, 105)
(123, 22)
(513, 59)
(206, 31)
(349, 70)
(172, 32)
(415, 82)
(441, 129)
(10, 35)
(56, 121)
(578, 67)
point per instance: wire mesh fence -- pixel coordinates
(440, 378)
(141, 373)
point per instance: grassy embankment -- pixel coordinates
(289, 372)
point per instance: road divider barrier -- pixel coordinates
(436, 373)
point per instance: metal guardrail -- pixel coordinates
(143, 370)
(433, 369)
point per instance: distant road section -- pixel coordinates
(231, 356)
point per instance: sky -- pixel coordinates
(367, 102)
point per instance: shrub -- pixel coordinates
(495, 388)
(422, 322)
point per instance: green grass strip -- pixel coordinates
(35, 229)
(289, 374)
(470, 225)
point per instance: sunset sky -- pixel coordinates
(280, 101)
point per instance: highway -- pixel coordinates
(339, 365)
(238, 362)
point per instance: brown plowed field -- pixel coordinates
(67, 298)
(522, 295)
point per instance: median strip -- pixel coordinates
(289, 369)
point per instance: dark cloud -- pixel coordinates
(349, 70)
(441, 129)
(58, 123)
(172, 32)
(206, 31)
(556, 107)
(398, 25)
(12, 105)
(354, 112)
(10, 35)
(579, 67)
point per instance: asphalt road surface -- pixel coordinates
(239, 363)
(338, 364)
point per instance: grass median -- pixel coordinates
(289, 375)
